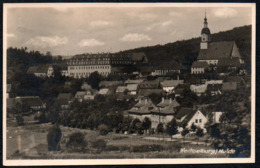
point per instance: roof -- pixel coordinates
(154, 84)
(236, 79)
(110, 83)
(144, 106)
(120, 89)
(30, 100)
(216, 50)
(137, 81)
(148, 92)
(214, 82)
(8, 88)
(205, 30)
(168, 102)
(171, 83)
(183, 112)
(38, 69)
(139, 56)
(193, 80)
(199, 64)
(103, 91)
(228, 62)
(81, 94)
(126, 96)
(132, 87)
(229, 86)
(214, 87)
(63, 98)
(198, 88)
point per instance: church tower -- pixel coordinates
(205, 35)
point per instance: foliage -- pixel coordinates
(147, 148)
(94, 79)
(160, 128)
(103, 129)
(99, 144)
(53, 138)
(146, 124)
(193, 127)
(199, 133)
(19, 120)
(172, 128)
(77, 142)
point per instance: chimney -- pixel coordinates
(162, 99)
(170, 100)
(140, 100)
(145, 101)
(178, 77)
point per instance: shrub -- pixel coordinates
(77, 142)
(99, 144)
(54, 137)
(19, 120)
(103, 129)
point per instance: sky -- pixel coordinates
(76, 30)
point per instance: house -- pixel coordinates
(228, 64)
(165, 112)
(85, 86)
(214, 82)
(199, 89)
(199, 67)
(189, 116)
(216, 116)
(109, 84)
(63, 100)
(136, 81)
(142, 109)
(41, 71)
(34, 102)
(149, 92)
(132, 89)
(169, 85)
(85, 95)
(154, 84)
(121, 89)
(237, 79)
(229, 86)
(214, 89)
(139, 58)
(104, 91)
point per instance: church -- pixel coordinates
(221, 55)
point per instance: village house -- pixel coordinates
(85, 95)
(41, 71)
(132, 89)
(214, 82)
(133, 81)
(34, 102)
(199, 67)
(214, 89)
(237, 79)
(229, 86)
(63, 100)
(169, 85)
(105, 91)
(85, 86)
(189, 116)
(199, 89)
(142, 109)
(121, 89)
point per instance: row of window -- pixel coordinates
(198, 121)
(90, 67)
(87, 73)
(88, 62)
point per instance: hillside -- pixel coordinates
(186, 51)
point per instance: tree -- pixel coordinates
(76, 142)
(193, 127)
(159, 128)
(94, 80)
(199, 133)
(135, 125)
(103, 129)
(184, 133)
(100, 144)
(53, 138)
(19, 120)
(172, 128)
(146, 124)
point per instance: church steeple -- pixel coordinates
(205, 34)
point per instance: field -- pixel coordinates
(30, 142)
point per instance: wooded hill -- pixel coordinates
(186, 51)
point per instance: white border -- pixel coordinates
(129, 161)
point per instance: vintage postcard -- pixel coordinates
(128, 83)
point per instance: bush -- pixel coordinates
(99, 144)
(103, 129)
(77, 142)
(53, 138)
(19, 120)
(112, 148)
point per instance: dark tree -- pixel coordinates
(172, 128)
(160, 128)
(146, 124)
(184, 133)
(199, 133)
(53, 138)
(94, 80)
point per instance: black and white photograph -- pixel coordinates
(128, 83)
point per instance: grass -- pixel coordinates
(34, 145)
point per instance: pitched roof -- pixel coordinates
(30, 100)
(154, 84)
(63, 98)
(167, 102)
(138, 56)
(132, 87)
(103, 91)
(85, 86)
(198, 64)
(137, 81)
(81, 94)
(229, 86)
(143, 106)
(236, 79)
(148, 92)
(110, 83)
(193, 80)
(120, 89)
(183, 112)
(171, 83)
(216, 50)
